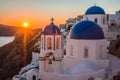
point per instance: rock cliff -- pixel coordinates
(114, 47)
(13, 56)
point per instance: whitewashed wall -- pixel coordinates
(96, 54)
(93, 49)
(51, 76)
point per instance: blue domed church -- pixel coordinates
(86, 51)
(97, 15)
(87, 44)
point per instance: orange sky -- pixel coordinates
(39, 12)
(33, 21)
(17, 19)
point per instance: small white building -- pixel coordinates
(108, 23)
(118, 17)
(70, 22)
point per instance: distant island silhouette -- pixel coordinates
(6, 30)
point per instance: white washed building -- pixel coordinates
(86, 52)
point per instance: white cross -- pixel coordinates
(52, 19)
(94, 4)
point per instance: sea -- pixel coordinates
(5, 40)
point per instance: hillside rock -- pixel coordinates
(114, 47)
(6, 30)
(13, 56)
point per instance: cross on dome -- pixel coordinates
(52, 19)
(51, 29)
(94, 4)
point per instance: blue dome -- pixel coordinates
(51, 29)
(94, 10)
(86, 30)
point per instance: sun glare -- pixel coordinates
(25, 24)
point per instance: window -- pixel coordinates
(86, 53)
(57, 43)
(33, 77)
(86, 18)
(95, 20)
(103, 20)
(71, 50)
(49, 44)
(42, 42)
(100, 54)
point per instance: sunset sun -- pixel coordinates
(25, 24)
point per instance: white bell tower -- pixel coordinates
(51, 53)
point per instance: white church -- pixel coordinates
(86, 51)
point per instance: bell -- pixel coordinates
(50, 61)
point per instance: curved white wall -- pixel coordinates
(97, 49)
